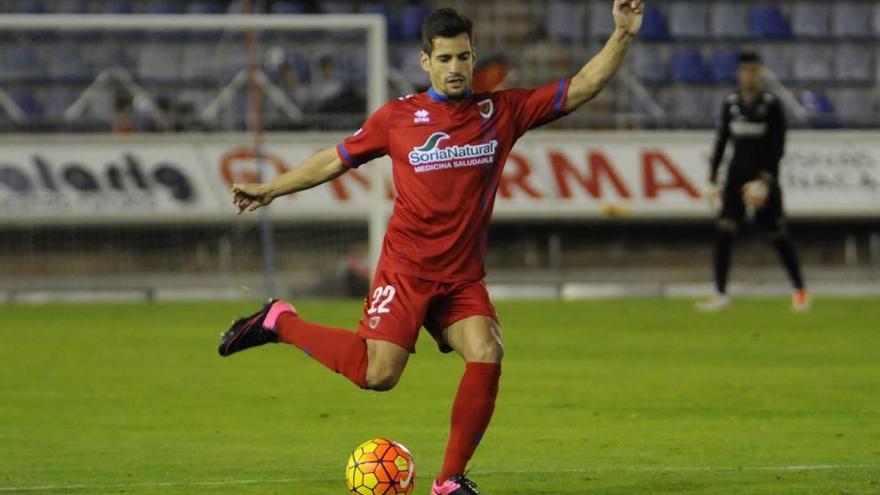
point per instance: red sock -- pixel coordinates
(340, 350)
(471, 413)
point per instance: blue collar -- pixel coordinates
(438, 97)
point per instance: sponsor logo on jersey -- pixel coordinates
(421, 116)
(486, 108)
(431, 156)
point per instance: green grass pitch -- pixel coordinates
(606, 397)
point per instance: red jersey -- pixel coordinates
(447, 156)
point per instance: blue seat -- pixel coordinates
(22, 63)
(728, 20)
(70, 7)
(816, 102)
(769, 22)
(29, 104)
(724, 64)
(688, 66)
(205, 7)
(810, 19)
(116, 7)
(163, 7)
(411, 20)
(385, 11)
(653, 25)
(29, 7)
(688, 20)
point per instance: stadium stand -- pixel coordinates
(812, 47)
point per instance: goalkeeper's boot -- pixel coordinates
(715, 304)
(256, 329)
(457, 485)
(800, 301)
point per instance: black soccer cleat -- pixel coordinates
(457, 485)
(256, 329)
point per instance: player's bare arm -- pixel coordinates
(590, 80)
(321, 167)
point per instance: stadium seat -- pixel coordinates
(205, 7)
(768, 22)
(810, 19)
(338, 6)
(163, 7)
(29, 7)
(724, 63)
(101, 56)
(777, 60)
(688, 19)
(875, 20)
(116, 7)
(688, 66)
(854, 106)
(290, 7)
(199, 62)
(22, 62)
(649, 63)
(385, 11)
(812, 63)
(411, 20)
(70, 7)
(852, 63)
(728, 20)
(602, 25)
(851, 19)
(66, 63)
(690, 107)
(158, 62)
(57, 100)
(817, 103)
(564, 20)
(653, 24)
(28, 102)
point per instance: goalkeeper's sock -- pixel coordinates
(340, 350)
(785, 249)
(721, 262)
(471, 413)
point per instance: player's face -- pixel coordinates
(749, 76)
(450, 65)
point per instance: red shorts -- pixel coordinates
(399, 305)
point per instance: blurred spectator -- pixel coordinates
(491, 75)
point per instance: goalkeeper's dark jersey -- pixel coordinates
(757, 129)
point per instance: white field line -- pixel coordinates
(660, 469)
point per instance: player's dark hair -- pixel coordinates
(445, 22)
(748, 57)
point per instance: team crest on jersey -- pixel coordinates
(421, 116)
(431, 156)
(486, 107)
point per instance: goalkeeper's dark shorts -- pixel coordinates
(770, 217)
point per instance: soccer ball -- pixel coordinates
(380, 467)
(755, 193)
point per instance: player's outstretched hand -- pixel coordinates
(249, 197)
(628, 15)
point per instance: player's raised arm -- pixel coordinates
(319, 168)
(598, 71)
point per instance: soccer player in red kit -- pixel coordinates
(448, 147)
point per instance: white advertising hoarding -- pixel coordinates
(549, 175)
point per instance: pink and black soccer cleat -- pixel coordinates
(457, 485)
(256, 329)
